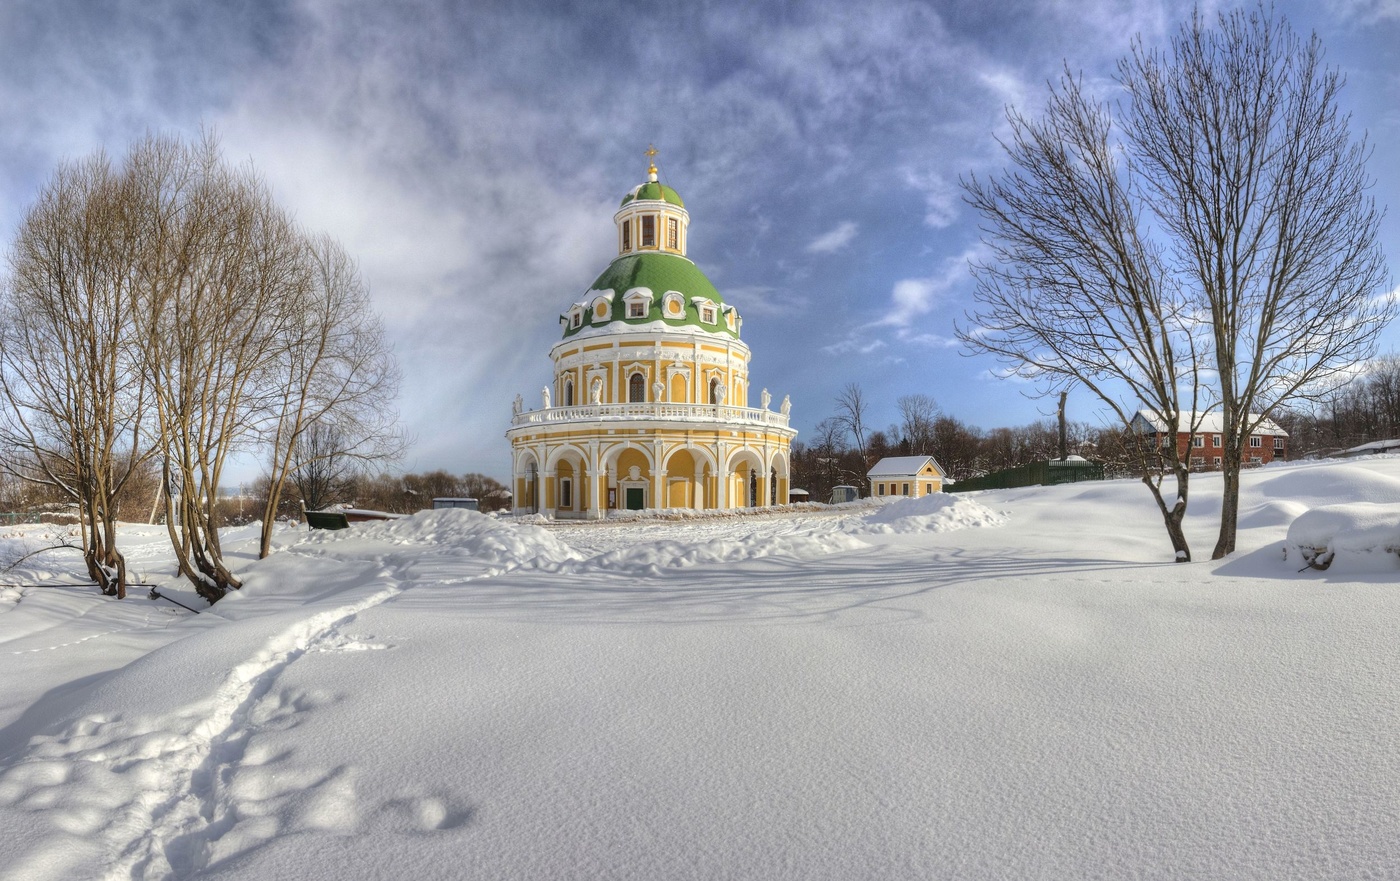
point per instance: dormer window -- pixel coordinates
(638, 303)
(707, 314)
(626, 235)
(648, 231)
(576, 319)
(673, 234)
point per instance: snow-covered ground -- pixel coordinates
(1010, 684)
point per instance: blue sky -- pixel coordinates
(471, 156)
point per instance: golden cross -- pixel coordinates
(651, 158)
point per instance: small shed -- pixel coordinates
(797, 495)
(905, 476)
(841, 494)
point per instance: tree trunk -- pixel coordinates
(1174, 515)
(1229, 512)
(1064, 439)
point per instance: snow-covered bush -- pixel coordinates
(1364, 535)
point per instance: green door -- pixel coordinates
(636, 498)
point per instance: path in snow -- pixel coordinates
(152, 797)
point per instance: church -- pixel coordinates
(649, 406)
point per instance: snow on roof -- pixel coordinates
(1210, 423)
(1380, 446)
(901, 466)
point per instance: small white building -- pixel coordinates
(905, 476)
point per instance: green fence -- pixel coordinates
(1035, 474)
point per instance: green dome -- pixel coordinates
(651, 191)
(658, 272)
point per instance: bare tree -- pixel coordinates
(68, 372)
(959, 448)
(1077, 293)
(335, 378)
(169, 310)
(850, 413)
(321, 472)
(917, 413)
(490, 494)
(1251, 170)
(220, 265)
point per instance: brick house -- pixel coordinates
(1203, 450)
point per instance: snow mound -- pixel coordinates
(1362, 536)
(652, 558)
(1276, 512)
(939, 512)
(1332, 485)
(460, 532)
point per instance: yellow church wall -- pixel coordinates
(680, 464)
(630, 458)
(678, 492)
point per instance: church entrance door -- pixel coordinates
(636, 498)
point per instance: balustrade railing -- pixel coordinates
(662, 412)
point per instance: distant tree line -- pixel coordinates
(834, 457)
(394, 493)
(1364, 410)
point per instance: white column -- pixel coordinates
(658, 484)
(595, 494)
(617, 397)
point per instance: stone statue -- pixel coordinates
(656, 390)
(766, 398)
(720, 392)
(518, 405)
(595, 392)
(787, 405)
(544, 393)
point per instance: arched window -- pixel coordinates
(637, 389)
(568, 393)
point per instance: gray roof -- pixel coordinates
(903, 466)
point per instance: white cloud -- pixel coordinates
(835, 239)
(912, 298)
(1366, 11)
(942, 198)
(853, 346)
(932, 340)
